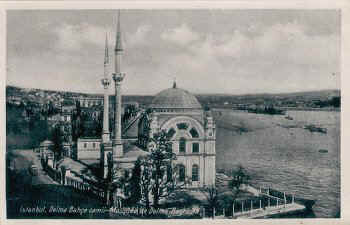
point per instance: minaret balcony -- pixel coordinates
(105, 82)
(118, 77)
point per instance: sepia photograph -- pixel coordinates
(173, 114)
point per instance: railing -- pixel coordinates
(249, 207)
(76, 183)
(55, 175)
(277, 194)
(265, 202)
(84, 186)
(132, 121)
(269, 199)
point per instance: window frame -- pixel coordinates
(195, 172)
(197, 147)
(182, 145)
(182, 168)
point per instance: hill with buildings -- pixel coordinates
(311, 99)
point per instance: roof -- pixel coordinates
(131, 153)
(68, 103)
(90, 162)
(89, 139)
(175, 98)
(46, 143)
(126, 165)
(72, 165)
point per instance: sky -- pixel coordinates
(205, 51)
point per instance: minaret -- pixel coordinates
(118, 79)
(106, 145)
(105, 82)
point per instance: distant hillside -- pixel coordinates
(322, 94)
(211, 100)
(296, 99)
(19, 91)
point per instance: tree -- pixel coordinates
(212, 196)
(129, 112)
(57, 140)
(38, 129)
(239, 177)
(78, 107)
(335, 101)
(157, 177)
(98, 124)
(146, 181)
(135, 186)
(115, 181)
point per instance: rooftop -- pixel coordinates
(131, 153)
(46, 143)
(73, 165)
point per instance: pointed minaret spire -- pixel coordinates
(118, 78)
(106, 61)
(106, 145)
(118, 44)
(105, 82)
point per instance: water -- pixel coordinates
(287, 159)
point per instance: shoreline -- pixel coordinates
(286, 109)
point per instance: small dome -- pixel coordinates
(175, 98)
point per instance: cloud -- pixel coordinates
(281, 54)
(182, 35)
(139, 37)
(267, 57)
(287, 43)
(74, 37)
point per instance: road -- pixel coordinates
(24, 159)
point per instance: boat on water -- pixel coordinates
(289, 117)
(323, 151)
(313, 128)
(269, 110)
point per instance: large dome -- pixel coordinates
(175, 98)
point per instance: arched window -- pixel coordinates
(171, 132)
(195, 173)
(194, 133)
(182, 145)
(182, 173)
(182, 126)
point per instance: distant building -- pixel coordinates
(90, 101)
(14, 100)
(88, 148)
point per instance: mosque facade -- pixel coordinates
(191, 131)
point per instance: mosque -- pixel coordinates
(191, 130)
(175, 110)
